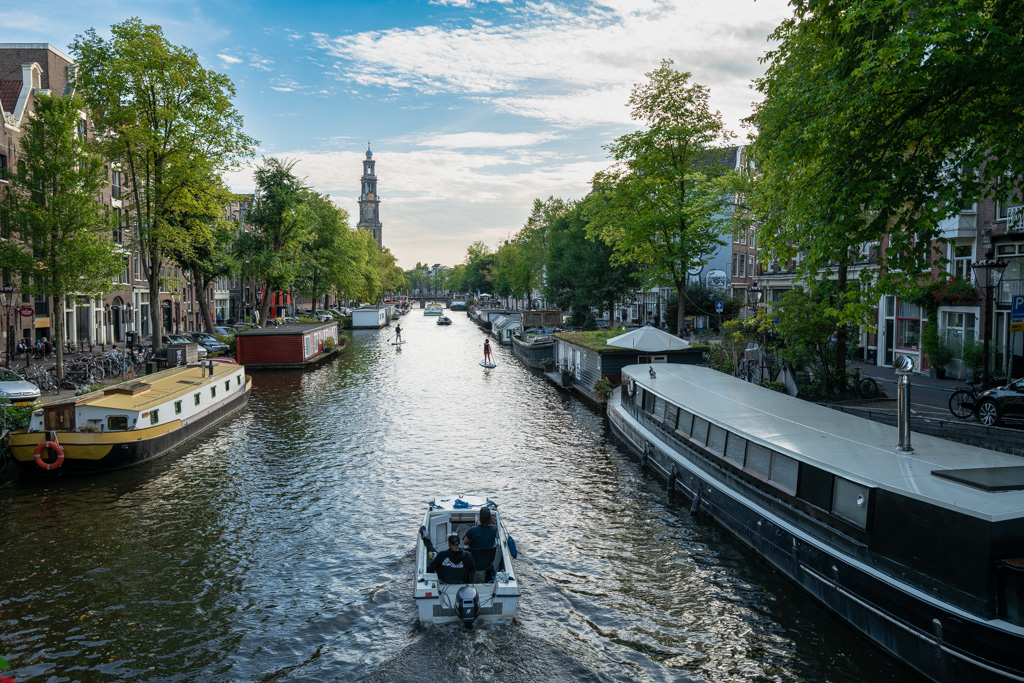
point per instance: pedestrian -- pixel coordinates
(23, 349)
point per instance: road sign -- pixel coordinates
(719, 306)
(1017, 308)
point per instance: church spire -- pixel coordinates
(369, 200)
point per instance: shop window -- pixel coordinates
(908, 326)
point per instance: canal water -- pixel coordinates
(280, 546)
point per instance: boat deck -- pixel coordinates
(858, 449)
(162, 386)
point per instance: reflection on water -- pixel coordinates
(280, 545)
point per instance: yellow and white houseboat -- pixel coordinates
(130, 423)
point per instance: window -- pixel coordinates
(959, 329)
(743, 265)
(118, 231)
(117, 423)
(213, 392)
(908, 326)
(198, 398)
(227, 385)
(239, 380)
(960, 261)
(3, 166)
(177, 407)
(115, 184)
(154, 417)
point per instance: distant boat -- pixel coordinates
(433, 309)
(444, 320)
(130, 423)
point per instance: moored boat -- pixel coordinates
(494, 589)
(127, 424)
(433, 309)
(922, 551)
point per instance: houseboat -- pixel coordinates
(369, 317)
(128, 424)
(921, 550)
(504, 327)
(287, 346)
(433, 309)
(494, 590)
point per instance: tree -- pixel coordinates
(665, 204)
(580, 272)
(879, 119)
(165, 119)
(61, 244)
(328, 258)
(204, 252)
(281, 228)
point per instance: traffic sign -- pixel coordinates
(719, 306)
(1017, 307)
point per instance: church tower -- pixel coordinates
(369, 200)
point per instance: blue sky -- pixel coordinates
(473, 107)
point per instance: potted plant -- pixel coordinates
(974, 359)
(548, 364)
(566, 378)
(939, 357)
(603, 388)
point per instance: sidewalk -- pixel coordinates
(929, 397)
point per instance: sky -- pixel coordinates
(472, 108)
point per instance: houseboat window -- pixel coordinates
(198, 399)
(716, 439)
(671, 414)
(700, 430)
(177, 407)
(659, 408)
(685, 422)
(238, 380)
(785, 471)
(213, 392)
(648, 402)
(735, 448)
(759, 460)
(117, 423)
(227, 385)
(154, 417)
(638, 396)
(850, 501)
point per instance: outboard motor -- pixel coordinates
(467, 604)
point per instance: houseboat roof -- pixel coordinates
(287, 328)
(856, 448)
(152, 389)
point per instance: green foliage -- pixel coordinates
(603, 388)
(60, 242)
(329, 343)
(663, 205)
(548, 364)
(700, 299)
(779, 387)
(973, 356)
(879, 119)
(15, 417)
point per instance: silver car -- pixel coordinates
(17, 390)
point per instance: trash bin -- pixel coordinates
(151, 367)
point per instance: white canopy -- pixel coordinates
(649, 339)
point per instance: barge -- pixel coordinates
(920, 551)
(131, 423)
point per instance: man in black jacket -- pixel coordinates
(453, 565)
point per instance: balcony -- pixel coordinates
(962, 225)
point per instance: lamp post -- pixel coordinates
(993, 269)
(754, 296)
(8, 298)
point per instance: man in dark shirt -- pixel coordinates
(452, 565)
(481, 540)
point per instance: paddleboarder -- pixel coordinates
(398, 334)
(487, 351)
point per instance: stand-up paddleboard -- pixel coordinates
(485, 364)
(397, 343)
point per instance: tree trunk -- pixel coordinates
(204, 308)
(842, 274)
(155, 309)
(265, 306)
(58, 335)
(681, 315)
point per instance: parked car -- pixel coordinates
(324, 316)
(210, 342)
(201, 350)
(18, 391)
(287, 319)
(225, 331)
(1001, 403)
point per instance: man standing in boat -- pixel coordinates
(453, 565)
(481, 539)
(487, 350)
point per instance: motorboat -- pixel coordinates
(444, 320)
(433, 308)
(493, 593)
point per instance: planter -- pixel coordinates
(566, 380)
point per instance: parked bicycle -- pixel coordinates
(866, 387)
(963, 401)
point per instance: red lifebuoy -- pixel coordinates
(631, 386)
(53, 446)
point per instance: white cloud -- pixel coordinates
(482, 140)
(228, 59)
(556, 53)
(466, 3)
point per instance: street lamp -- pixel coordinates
(993, 270)
(8, 293)
(754, 296)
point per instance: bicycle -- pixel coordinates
(963, 401)
(865, 386)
